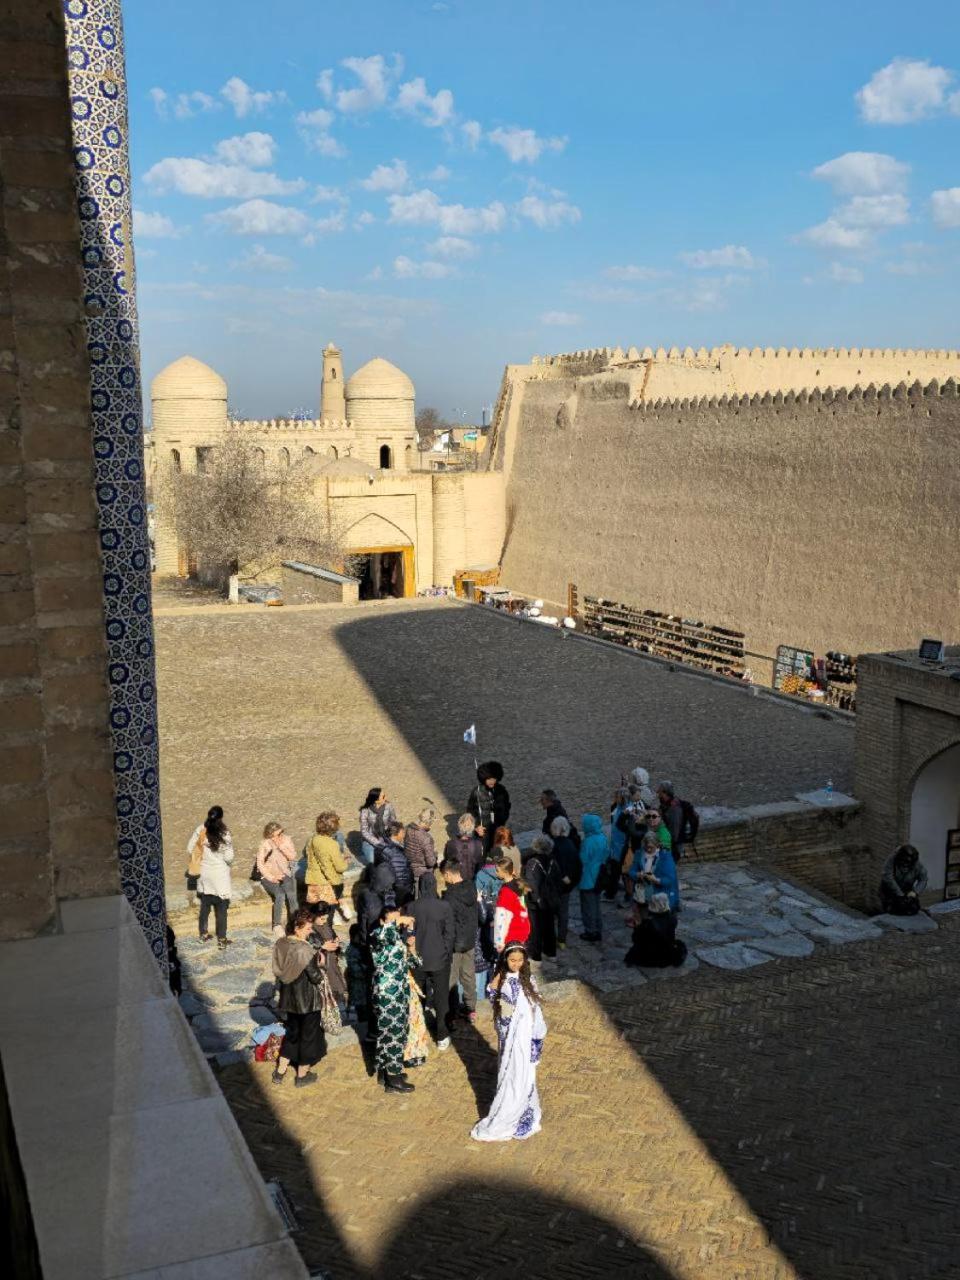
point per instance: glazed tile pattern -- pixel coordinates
(98, 97)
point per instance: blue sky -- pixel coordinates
(459, 185)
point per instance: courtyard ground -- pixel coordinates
(796, 1120)
(282, 712)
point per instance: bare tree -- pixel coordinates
(429, 425)
(239, 516)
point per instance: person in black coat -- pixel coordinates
(567, 855)
(376, 893)
(552, 808)
(489, 802)
(434, 933)
(461, 894)
(391, 852)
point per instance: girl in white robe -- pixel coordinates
(521, 1029)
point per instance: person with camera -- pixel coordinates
(300, 971)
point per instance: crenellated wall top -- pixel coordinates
(870, 394)
(320, 425)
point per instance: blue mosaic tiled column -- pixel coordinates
(98, 96)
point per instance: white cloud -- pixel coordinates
(440, 174)
(211, 180)
(375, 79)
(559, 318)
(332, 222)
(524, 144)
(472, 132)
(424, 208)
(605, 292)
(387, 177)
(258, 259)
(845, 275)
(246, 101)
(328, 195)
(251, 149)
(375, 274)
(631, 272)
(325, 84)
(263, 218)
(406, 269)
(153, 226)
(547, 213)
(731, 255)
(832, 234)
(708, 294)
(183, 105)
(452, 247)
(874, 211)
(904, 91)
(434, 111)
(945, 207)
(364, 219)
(863, 173)
(314, 130)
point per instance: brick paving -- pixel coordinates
(278, 713)
(798, 1120)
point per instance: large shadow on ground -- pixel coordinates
(560, 711)
(472, 1228)
(824, 1088)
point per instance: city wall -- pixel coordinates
(829, 521)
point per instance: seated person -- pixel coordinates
(654, 942)
(904, 879)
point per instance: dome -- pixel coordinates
(188, 379)
(379, 380)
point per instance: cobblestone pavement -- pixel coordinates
(794, 1120)
(278, 713)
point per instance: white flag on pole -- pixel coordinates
(470, 736)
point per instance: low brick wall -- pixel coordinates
(819, 847)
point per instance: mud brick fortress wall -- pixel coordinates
(828, 519)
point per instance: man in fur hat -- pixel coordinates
(489, 802)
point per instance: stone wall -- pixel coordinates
(906, 716)
(827, 521)
(58, 829)
(819, 847)
(307, 585)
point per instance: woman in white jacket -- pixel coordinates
(213, 881)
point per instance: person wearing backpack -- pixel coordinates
(542, 873)
(567, 856)
(671, 811)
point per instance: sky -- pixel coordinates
(456, 185)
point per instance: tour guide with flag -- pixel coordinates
(489, 800)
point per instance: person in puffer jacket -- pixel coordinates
(391, 852)
(418, 844)
(593, 854)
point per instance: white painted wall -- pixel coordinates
(934, 810)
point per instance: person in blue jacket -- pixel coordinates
(593, 854)
(657, 873)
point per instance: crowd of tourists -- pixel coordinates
(433, 932)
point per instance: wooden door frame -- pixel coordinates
(409, 564)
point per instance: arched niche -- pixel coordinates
(386, 458)
(935, 810)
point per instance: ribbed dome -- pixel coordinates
(379, 380)
(188, 379)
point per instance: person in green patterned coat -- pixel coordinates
(391, 996)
